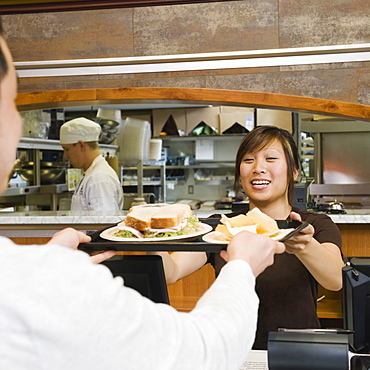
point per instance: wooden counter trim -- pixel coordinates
(67, 98)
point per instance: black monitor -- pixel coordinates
(356, 302)
(142, 273)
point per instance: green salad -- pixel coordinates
(190, 227)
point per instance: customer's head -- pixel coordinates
(262, 137)
(79, 138)
(10, 120)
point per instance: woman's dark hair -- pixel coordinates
(259, 138)
(3, 63)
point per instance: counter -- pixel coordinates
(45, 223)
(38, 227)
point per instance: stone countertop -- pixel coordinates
(60, 217)
(354, 216)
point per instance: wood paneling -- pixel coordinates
(356, 239)
(185, 293)
(356, 243)
(64, 98)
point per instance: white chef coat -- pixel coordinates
(98, 189)
(59, 311)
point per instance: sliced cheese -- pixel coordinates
(266, 224)
(236, 230)
(254, 221)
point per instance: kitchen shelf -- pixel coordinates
(214, 182)
(35, 146)
(48, 144)
(42, 144)
(141, 182)
(204, 165)
(145, 167)
(22, 190)
(145, 183)
(193, 138)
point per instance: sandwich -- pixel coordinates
(164, 220)
(254, 221)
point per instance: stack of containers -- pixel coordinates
(133, 140)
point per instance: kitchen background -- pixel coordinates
(207, 27)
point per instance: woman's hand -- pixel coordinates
(322, 260)
(299, 242)
(71, 238)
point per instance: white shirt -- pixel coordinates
(59, 311)
(98, 189)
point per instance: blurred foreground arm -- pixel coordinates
(99, 322)
(71, 238)
(257, 250)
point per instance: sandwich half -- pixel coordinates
(158, 221)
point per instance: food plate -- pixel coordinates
(216, 237)
(108, 234)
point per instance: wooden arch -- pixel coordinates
(81, 97)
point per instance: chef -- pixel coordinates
(98, 188)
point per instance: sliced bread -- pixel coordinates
(157, 217)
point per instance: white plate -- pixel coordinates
(108, 234)
(216, 237)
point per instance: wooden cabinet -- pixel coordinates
(356, 243)
(185, 293)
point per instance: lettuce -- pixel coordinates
(190, 227)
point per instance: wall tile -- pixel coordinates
(318, 22)
(70, 35)
(364, 86)
(331, 84)
(320, 66)
(196, 28)
(202, 27)
(196, 82)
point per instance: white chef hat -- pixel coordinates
(79, 129)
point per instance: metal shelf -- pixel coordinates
(213, 182)
(140, 168)
(135, 183)
(145, 167)
(42, 144)
(194, 138)
(48, 144)
(22, 190)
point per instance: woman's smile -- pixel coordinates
(260, 183)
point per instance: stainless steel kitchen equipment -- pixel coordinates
(41, 165)
(341, 160)
(50, 172)
(109, 120)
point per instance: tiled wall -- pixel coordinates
(195, 28)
